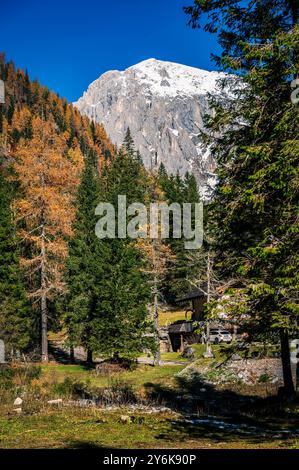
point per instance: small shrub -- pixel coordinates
(264, 378)
(33, 372)
(72, 388)
(32, 406)
(6, 373)
(120, 392)
(24, 374)
(6, 378)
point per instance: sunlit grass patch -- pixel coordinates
(171, 316)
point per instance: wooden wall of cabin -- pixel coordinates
(198, 308)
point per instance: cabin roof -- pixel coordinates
(193, 294)
(181, 327)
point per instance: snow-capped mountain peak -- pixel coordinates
(171, 79)
(163, 103)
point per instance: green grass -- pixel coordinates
(68, 426)
(165, 318)
(218, 350)
(173, 356)
(69, 368)
(73, 428)
(136, 378)
(168, 356)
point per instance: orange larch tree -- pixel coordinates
(48, 174)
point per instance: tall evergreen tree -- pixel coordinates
(17, 327)
(239, 22)
(183, 270)
(88, 264)
(108, 292)
(255, 140)
(125, 323)
(128, 143)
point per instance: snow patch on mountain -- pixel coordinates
(171, 79)
(164, 104)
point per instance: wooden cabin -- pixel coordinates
(198, 299)
(182, 333)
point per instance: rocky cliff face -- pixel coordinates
(163, 103)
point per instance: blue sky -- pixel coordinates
(67, 44)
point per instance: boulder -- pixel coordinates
(18, 401)
(188, 353)
(125, 419)
(18, 410)
(208, 354)
(236, 357)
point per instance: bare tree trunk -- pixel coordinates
(289, 389)
(44, 313)
(208, 352)
(89, 356)
(296, 358)
(182, 343)
(45, 354)
(235, 332)
(294, 10)
(72, 354)
(157, 355)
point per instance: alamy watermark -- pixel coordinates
(295, 92)
(295, 351)
(2, 92)
(140, 221)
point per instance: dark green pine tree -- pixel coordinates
(240, 22)
(126, 175)
(17, 327)
(162, 173)
(184, 269)
(256, 206)
(124, 324)
(128, 143)
(129, 147)
(108, 292)
(87, 266)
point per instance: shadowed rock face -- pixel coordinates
(163, 104)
